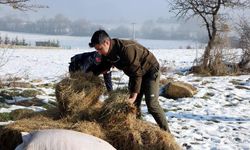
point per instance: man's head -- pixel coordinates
(101, 41)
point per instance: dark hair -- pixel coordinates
(98, 37)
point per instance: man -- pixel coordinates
(91, 62)
(140, 65)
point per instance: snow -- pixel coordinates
(75, 42)
(14, 107)
(217, 117)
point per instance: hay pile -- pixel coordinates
(114, 120)
(79, 93)
(124, 131)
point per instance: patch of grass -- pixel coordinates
(184, 128)
(49, 105)
(173, 109)
(206, 82)
(53, 103)
(197, 106)
(30, 93)
(230, 105)
(3, 105)
(196, 80)
(2, 100)
(15, 84)
(47, 85)
(235, 82)
(52, 94)
(1, 84)
(208, 96)
(8, 94)
(5, 117)
(242, 87)
(214, 120)
(11, 78)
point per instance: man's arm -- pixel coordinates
(132, 97)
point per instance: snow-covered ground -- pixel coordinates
(216, 118)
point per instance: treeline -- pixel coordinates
(5, 40)
(15, 41)
(58, 25)
(61, 25)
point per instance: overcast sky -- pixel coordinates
(92, 10)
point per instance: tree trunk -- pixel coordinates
(209, 47)
(244, 62)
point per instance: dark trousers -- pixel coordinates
(108, 81)
(150, 88)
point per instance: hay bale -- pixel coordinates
(178, 89)
(77, 93)
(124, 131)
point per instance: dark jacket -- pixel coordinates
(91, 62)
(134, 59)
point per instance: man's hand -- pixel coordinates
(132, 97)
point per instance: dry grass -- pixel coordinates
(11, 134)
(114, 120)
(78, 93)
(124, 131)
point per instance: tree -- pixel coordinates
(210, 11)
(22, 5)
(6, 40)
(1, 40)
(244, 32)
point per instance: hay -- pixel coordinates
(92, 128)
(140, 135)
(9, 139)
(124, 131)
(78, 93)
(11, 134)
(21, 113)
(116, 108)
(114, 120)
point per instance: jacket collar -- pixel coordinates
(112, 53)
(111, 47)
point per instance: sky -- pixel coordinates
(98, 10)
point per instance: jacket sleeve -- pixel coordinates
(133, 69)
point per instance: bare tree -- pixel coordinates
(22, 5)
(212, 17)
(244, 32)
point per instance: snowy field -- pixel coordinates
(216, 118)
(76, 42)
